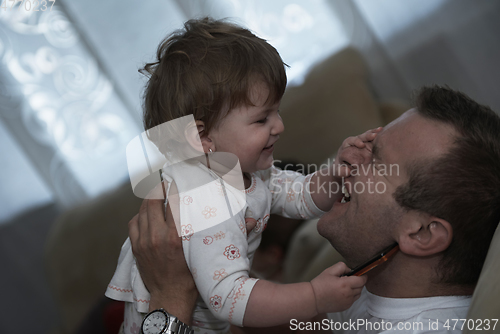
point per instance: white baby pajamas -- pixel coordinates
(217, 249)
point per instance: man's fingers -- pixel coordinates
(151, 210)
(156, 224)
(144, 207)
(173, 230)
(142, 223)
(156, 209)
(169, 217)
(250, 224)
(158, 192)
(133, 229)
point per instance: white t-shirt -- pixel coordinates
(375, 314)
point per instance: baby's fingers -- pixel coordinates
(343, 170)
(360, 281)
(360, 141)
(355, 141)
(356, 292)
(370, 134)
(356, 282)
(356, 297)
(338, 269)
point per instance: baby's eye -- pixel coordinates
(262, 120)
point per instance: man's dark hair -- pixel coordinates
(463, 185)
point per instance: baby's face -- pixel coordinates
(250, 132)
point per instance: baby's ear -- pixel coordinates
(197, 137)
(193, 135)
(424, 235)
(200, 127)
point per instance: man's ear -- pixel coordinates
(424, 235)
(194, 135)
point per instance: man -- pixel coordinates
(441, 206)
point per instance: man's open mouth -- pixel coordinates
(347, 197)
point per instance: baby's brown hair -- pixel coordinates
(207, 69)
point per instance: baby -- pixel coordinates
(231, 83)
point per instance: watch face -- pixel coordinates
(154, 323)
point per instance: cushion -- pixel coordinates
(485, 302)
(82, 252)
(308, 254)
(333, 103)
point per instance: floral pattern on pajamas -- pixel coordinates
(220, 254)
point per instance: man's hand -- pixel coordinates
(334, 293)
(354, 152)
(160, 259)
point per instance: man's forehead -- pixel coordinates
(413, 136)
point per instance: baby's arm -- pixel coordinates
(272, 304)
(329, 178)
(299, 196)
(217, 257)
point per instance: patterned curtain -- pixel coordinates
(58, 104)
(72, 113)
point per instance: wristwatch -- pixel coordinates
(161, 322)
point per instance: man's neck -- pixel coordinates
(410, 277)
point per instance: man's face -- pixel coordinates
(371, 220)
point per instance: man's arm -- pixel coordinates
(158, 251)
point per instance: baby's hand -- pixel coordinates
(334, 293)
(355, 151)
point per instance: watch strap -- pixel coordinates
(177, 327)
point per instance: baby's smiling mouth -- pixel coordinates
(270, 147)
